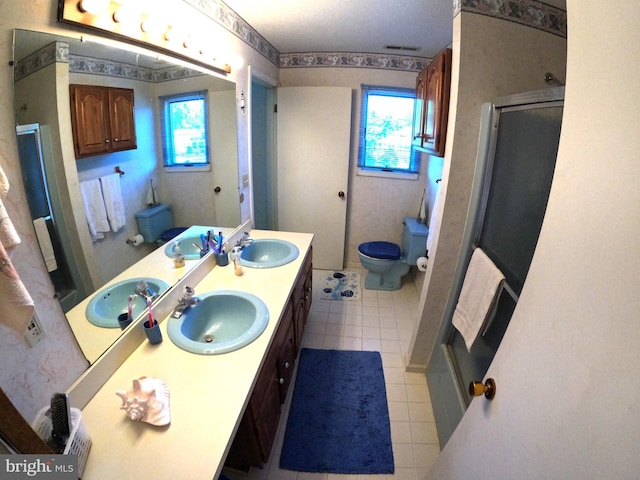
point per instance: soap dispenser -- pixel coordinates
(178, 257)
(237, 266)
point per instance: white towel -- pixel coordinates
(8, 235)
(94, 208)
(113, 201)
(478, 298)
(46, 247)
(16, 307)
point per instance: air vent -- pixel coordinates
(402, 47)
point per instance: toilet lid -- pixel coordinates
(381, 250)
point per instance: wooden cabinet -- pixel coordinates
(433, 87)
(252, 444)
(102, 119)
(301, 297)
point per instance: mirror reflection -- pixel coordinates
(62, 186)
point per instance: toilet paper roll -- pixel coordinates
(135, 241)
(421, 263)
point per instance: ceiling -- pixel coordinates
(365, 26)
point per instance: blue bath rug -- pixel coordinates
(339, 419)
(340, 286)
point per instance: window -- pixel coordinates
(185, 130)
(386, 126)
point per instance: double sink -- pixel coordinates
(222, 321)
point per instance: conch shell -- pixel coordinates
(148, 401)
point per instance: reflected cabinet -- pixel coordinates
(102, 119)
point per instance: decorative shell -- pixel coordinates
(147, 401)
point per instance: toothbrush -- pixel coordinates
(151, 321)
(129, 308)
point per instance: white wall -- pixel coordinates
(567, 385)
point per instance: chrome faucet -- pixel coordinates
(143, 290)
(188, 300)
(245, 240)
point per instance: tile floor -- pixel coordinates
(381, 321)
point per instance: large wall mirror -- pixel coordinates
(45, 65)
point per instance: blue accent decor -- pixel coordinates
(339, 420)
(381, 250)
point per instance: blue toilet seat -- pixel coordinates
(381, 250)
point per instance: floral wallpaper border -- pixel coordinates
(59, 52)
(54, 52)
(355, 60)
(531, 13)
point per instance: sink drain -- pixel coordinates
(208, 338)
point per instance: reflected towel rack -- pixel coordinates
(117, 170)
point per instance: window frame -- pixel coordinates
(168, 153)
(413, 172)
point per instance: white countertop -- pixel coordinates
(208, 392)
(94, 340)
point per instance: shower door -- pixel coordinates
(514, 170)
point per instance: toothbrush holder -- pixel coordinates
(124, 320)
(154, 335)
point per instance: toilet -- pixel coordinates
(386, 263)
(155, 224)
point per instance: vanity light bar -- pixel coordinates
(121, 21)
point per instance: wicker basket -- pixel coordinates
(79, 442)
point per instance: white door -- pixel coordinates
(313, 140)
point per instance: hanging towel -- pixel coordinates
(432, 223)
(8, 235)
(46, 247)
(113, 201)
(478, 298)
(16, 307)
(94, 208)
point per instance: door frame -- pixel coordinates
(258, 76)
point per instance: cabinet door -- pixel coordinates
(436, 107)
(89, 119)
(121, 119)
(418, 108)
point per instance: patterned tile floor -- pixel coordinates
(381, 321)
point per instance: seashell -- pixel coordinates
(147, 401)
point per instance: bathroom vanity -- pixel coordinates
(212, 397)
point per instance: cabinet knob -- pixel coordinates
(116, 139)
(286, 364)
(280, 381)
(107, 140)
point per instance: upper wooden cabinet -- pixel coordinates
(102, 119)
(433, 87)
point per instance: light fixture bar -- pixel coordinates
(134, 28)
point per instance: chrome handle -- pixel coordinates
(488, 389)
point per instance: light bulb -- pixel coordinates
(94, 7)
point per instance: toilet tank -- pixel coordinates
(414, 240)
(154, 221)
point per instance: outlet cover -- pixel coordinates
(34, 332)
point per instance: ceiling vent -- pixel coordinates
(402, 47)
